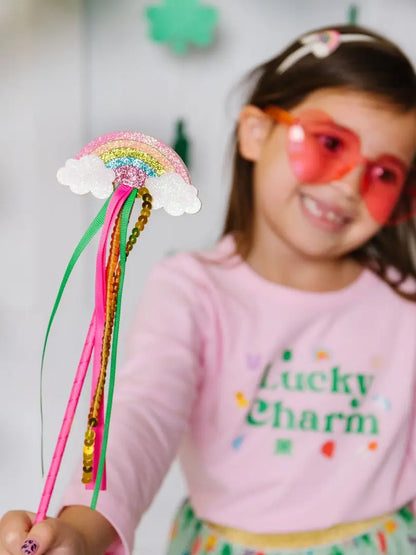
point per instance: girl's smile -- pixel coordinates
(328, 217)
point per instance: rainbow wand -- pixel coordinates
(121, 166)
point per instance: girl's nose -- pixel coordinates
(350, 184)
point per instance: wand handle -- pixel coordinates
(66, 423)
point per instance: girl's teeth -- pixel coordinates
(332, 217)
(314, 209)
(312, 206)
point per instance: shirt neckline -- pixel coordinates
(264, 287)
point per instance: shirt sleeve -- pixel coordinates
(153, 398)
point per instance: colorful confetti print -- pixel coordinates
(328, 449)
(284, 447)
(241, 400)
(237, 442)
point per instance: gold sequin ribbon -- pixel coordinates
(113, 282)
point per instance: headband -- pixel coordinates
(320, 45)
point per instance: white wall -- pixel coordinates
(70, 71)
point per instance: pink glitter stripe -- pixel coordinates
(139, 138)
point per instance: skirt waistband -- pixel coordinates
(301, 540)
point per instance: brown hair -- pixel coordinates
(376, 67)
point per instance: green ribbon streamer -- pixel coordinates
(125, 216)
(94, 227)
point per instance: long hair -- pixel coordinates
(375, 67)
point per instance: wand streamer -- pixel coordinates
(122, 166)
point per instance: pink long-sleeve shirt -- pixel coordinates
(290, 410)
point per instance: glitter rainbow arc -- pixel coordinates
(135, 156)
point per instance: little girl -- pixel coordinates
(282, 365)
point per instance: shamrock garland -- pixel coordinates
(181, 142)
(353, 14)
(182, 22)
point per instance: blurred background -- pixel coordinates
(72, 70)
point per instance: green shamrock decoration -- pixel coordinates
(180, 22)
(181, 142)
(353, 13)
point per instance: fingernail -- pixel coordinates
(30, 546)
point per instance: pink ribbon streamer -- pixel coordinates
(92, 343)
(66, 423)
(119, 197)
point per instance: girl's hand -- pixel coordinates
(53, 536)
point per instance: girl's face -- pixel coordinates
(328, 220)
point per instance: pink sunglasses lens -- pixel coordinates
(381, 187)
(321, 151)
(405, 208)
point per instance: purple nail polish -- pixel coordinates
(30, 546)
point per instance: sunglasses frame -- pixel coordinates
(285, 117)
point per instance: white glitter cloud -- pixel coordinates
(171, 192)
(88, 174)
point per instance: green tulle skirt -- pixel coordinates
(191, 536)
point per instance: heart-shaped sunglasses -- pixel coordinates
(321, 151)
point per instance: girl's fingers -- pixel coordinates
(43, 537)
(52, 536)
(29, 546)
(18, 535)
(14, 528)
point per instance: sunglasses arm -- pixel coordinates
(280, 116)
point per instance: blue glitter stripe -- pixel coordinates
(130, 161)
